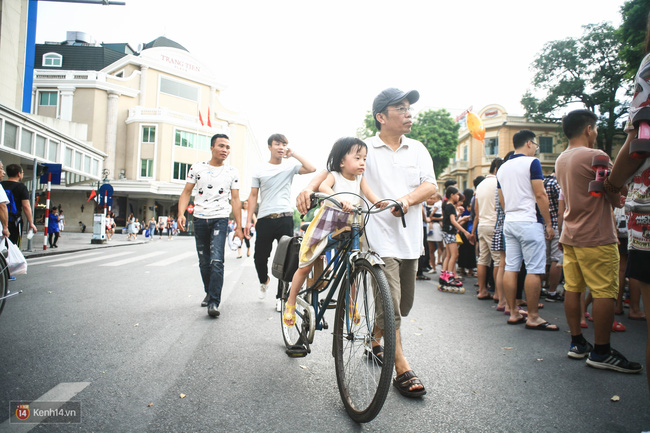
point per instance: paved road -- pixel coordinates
(124, 325)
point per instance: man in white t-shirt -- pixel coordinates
(486, 218)
(217, 195)
(4, 211)
(526, 226)
(400, 168)
(272, 181)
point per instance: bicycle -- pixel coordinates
(363, 302)
(5, 293)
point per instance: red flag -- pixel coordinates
(209, 123)
(93, 193)
(200, 118)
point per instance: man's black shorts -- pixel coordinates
(637, 265)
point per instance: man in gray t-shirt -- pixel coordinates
(272, 180)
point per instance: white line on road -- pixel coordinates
(42, 260)
(173, 260)
(61, 393)
(94, 259)
(134, 259)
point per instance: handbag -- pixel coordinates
(459, 240)
(285, 261)
(15, 260)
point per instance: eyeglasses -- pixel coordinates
(536, 145)
(403, 109)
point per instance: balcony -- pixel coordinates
(458, 166)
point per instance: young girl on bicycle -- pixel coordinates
(346, 164)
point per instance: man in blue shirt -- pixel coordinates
(526, 225)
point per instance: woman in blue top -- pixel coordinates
(53, 227)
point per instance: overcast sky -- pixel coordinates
(311, 69)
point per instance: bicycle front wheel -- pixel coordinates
(364, 311)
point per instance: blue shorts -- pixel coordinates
(525, 241)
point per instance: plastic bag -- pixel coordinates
(15, 260)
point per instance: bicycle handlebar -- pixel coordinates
(358, 209)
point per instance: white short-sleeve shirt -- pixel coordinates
(213, 185)
(393, 174)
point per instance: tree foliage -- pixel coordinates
(585, 70)
(439, 134)
(632, 34)
(434, 128)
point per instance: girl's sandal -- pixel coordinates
(289, 317)
(354, 313)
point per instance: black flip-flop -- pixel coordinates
(376, 355)
(405, 381)
(544, 326)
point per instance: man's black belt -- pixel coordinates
(274, 216)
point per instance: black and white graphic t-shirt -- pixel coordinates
(213, 185)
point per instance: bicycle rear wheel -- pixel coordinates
(292, 335)
(363, 307)
(4, 281)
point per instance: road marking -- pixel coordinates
(173, 260)
(94, 259)
(42, 260)
(134, 259)
(61, 393)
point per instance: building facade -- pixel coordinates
(151, 112)
(473, 157)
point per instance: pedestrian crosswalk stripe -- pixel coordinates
(174, 259)
(43, 260)
(134, 259)
(94, 259)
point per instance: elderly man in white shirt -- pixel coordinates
(401, 168)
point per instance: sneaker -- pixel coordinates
(278, 305)
(613, 361)
(543, 293)
(579, 351)
(263, 288)
(557, 297)
(204, 302)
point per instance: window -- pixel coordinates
(146, 167)
(546, 144)
(492, 146)
(148, 134)
(77, 160)
(465, 153)
(48, 98)
(176, 88)
(87, 163)
(39, 148)
(180, 170)
(53, 151)
(26, 141)
(68, 157)
(95, 165)
(11, 132)
(52, 60)
(192, 140)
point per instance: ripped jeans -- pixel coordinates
(210, 236)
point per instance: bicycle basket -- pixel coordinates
(285, 261)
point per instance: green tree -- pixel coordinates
(585, 70)
(439, 133)
(368, 129)
(632, 34)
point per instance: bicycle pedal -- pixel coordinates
(325, 324)
(296, 351)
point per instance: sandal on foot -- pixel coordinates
(376, 354)
(289, 316)
(354, 314)
(405, 381)
(544, 326)
(618, 327)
